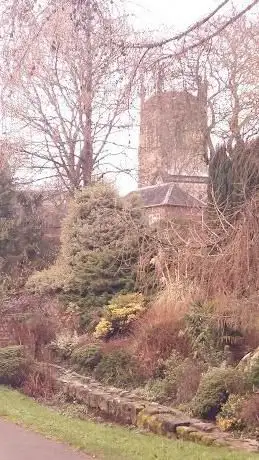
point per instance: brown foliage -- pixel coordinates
(160, 330)
(40, 382)
(33, 322)
(116, 345)
(225, 260)
(222, 260)
(239, 314)
(189, 380)
(250, 411)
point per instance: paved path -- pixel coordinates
(17, 443)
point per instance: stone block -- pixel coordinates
(82, 394)
(160, 423)
(114, 408)
(103, 403)
(203, 426)
(190, 434)
(183, 432)
(71, 391)
(129, 411)
(93, 399)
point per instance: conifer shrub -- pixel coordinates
(100, 243)
(20, 227)
(234, 177)
(50, 280)
(253, 373)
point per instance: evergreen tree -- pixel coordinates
(7, 194)
(233, 177)
(100, 244)
(20, 225)
(7, 211)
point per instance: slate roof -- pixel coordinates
(167, 195)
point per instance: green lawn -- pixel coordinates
(105, 441)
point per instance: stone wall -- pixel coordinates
(157, 213)
(172, 136)
(127, 408)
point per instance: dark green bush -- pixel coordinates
(14, 366)
(233, 178)
(86, 358)
(118, 368)
(21, 236)
(214, 389)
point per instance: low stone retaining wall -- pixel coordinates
(127, 408)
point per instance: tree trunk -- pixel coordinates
(86, 156)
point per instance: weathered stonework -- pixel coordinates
(172, 136)
(158, 213)
(127, 408)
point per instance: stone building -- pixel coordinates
(165, 201)
(172, 136)
(172, 171)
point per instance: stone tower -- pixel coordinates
(172, 136)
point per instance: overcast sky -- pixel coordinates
(160, 15)
(173, 13)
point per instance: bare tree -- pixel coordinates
(68, 76)
(68, 87)
(233, 72)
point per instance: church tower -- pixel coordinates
(172, 136)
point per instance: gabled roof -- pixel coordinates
(167, 195)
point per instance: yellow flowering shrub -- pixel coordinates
(229, 418)
(103, 328)
(119, 314)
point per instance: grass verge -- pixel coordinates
(104, 441)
